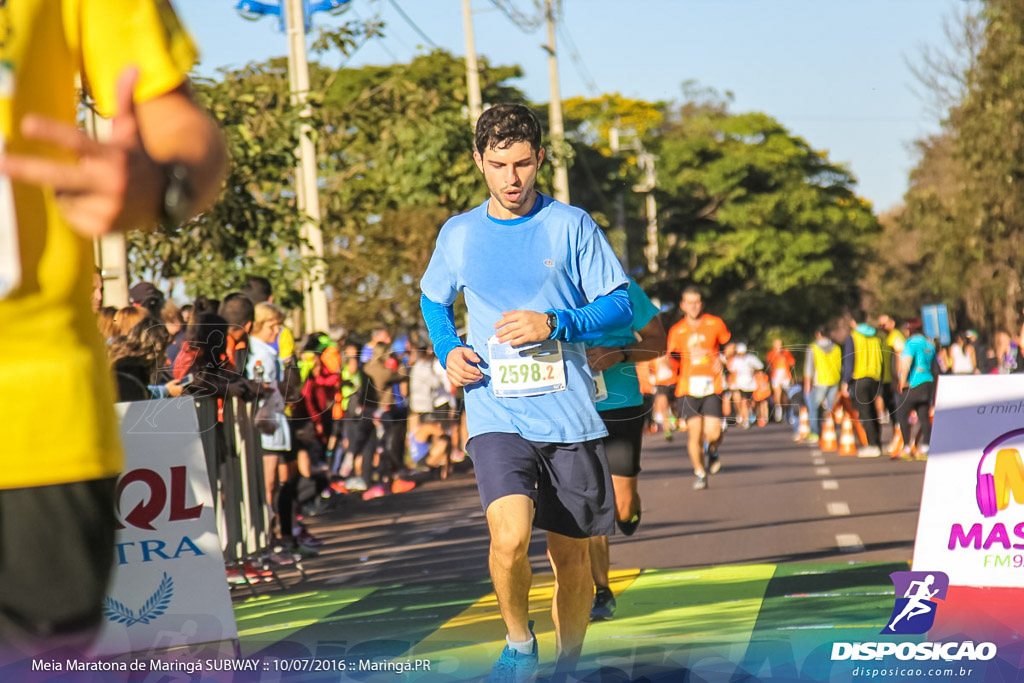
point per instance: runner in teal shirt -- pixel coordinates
(614, 356)
(917, 387)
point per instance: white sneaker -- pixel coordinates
(346, 466)
(869, 452)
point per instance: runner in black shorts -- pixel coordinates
(695, 343)
(705, 406)
(614, 356)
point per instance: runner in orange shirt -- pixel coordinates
(694, 342)
(780, 367)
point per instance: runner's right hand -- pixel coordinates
(461, 366)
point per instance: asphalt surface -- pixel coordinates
(774, 501)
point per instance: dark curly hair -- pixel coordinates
(504, 125)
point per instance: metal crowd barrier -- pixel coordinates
(234, 461)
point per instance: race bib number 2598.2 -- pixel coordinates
(529, 370)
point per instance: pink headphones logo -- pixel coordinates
(988, 498)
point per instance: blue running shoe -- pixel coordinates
(513, 666)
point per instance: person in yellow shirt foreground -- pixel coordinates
(163, 162)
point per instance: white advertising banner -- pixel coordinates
(971, 524)
(168, 587)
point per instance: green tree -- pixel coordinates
(254, 227)
(764, 223)
(601, 180)
(397, 157)
(918, 257)
(964, 209)
(989, 136)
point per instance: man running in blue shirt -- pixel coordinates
(539, 278)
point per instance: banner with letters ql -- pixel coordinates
(168, 587)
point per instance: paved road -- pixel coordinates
(773, 502)
(758, 573)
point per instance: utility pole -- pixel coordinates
(307, 190)
(646, 162)
(620, 202)
(110, 251)
(472, 70)
(555, 112)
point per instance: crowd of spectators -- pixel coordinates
(336, 414)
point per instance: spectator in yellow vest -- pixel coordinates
(862, 374)
(821, 379)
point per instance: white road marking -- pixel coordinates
(839, 509)
(849, 543)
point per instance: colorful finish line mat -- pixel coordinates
(734, 624)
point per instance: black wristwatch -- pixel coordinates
(179, 198)
(552, 323)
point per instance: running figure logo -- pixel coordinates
(915, 611)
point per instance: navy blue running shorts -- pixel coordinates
(705, 406)
(569, 483)
(625, 436)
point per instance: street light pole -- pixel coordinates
(294, 16)
(555, 113)
(472, 70)
(307, 190)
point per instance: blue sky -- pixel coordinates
(835, 72)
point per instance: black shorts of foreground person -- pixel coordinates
(56, 553)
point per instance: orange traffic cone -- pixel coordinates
(828, 443)
(847, 441)
(804, 429)
(862, 435)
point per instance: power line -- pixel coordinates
(524, 22)
(412, 23)
(379, 36)
(577, 60)
(385, 34)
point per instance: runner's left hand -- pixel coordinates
(522, 327)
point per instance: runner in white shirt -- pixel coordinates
(742, 367)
